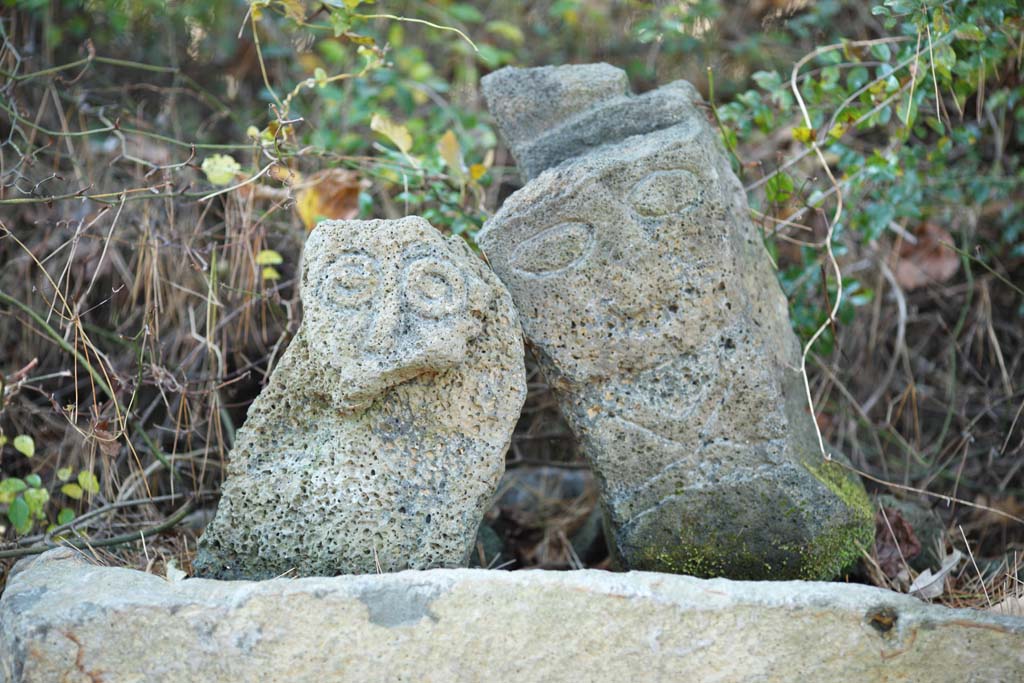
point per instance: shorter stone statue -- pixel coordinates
(648, 295)
(381, 435)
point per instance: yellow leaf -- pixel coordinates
(309, 61)
(64, 473)
(293, 9)
(270, 273)
(220, 169)
(269, 257)
(451, 152)
(275, 131)
(285, 175)
(88, 481)
(72, 491)
(366, 41)
(395, 132)
(804, 135)
(477, 171)
(837, 131)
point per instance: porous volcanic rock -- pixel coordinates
(658, 321)
(380, 437)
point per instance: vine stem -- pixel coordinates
(441, 27)
(828, 240)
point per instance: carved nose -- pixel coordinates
(383, 332)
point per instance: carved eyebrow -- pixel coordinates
(421, 251)
(349, 253)
(323, 268)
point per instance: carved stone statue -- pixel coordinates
(381, 435)
(649, 298)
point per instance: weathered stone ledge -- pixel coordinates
(62, 618)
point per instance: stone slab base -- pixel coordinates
(64, 619)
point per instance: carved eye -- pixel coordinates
(666, 192)
(351, 280)
(554, 249)
(434, 289)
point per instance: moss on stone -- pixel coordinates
(841, 482)
(706, 560)
(838, 547)
(834, 546)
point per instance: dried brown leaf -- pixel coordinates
(895, 541)
(329, 194)
(928, 261)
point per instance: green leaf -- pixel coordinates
(65, 516)
(9, 488)
(902, 6)
(12, 485)
(18, 514)
(970, 32)
(341, 21)
(89, 483)
(779, 188)
(506, 30)
(492, 56)
(24, 444)
(72, 490)
(466, 13)
(332, 50)
(64, 473)
(220, 169)
(36, 500)
(857, 77)
(320, 76)
(34, 481)
(767, 80)
(829, 77)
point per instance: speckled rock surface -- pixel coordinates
(659, 323)
(553, 113)
(62, 619)
(381, 435)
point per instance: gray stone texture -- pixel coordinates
(380, 438)
(64, 619)
(648, 295)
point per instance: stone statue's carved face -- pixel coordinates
(598, 256)
(385, 302)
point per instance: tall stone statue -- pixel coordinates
(647, 293)
(381, 435)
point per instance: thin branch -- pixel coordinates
(168, 523)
